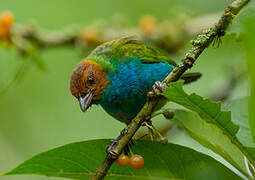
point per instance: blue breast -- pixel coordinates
(126, 94)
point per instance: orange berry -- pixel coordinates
(147, 24)
(123, 160)
(136, 161)
(7, 19)
(4, 33)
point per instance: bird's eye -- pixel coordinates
(91, 80)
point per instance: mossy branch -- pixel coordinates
(199, 44)
(167, 35)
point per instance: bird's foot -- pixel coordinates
(150, 128)
(109, 151)
(108, 148)
(158, 87)
(126, 149)
(123, 131)
(155, 132)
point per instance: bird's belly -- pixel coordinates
(126, 94)
(124, 109)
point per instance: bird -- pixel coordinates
(118, 74)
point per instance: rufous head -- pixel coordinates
(88, 82)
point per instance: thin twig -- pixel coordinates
(198, 46)
(17, 77)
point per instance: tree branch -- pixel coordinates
(202, 41)
(168, 36)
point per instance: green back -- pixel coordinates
(120, 49)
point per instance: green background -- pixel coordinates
(40, 113)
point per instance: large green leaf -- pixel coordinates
(212, 114)
(79, 160)
(239, 114)
(210, 136)
(208, 110)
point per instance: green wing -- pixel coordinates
(123, 48)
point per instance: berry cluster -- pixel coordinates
(136, 161)
(6, 21)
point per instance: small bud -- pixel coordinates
(168, 114)
(163, 141)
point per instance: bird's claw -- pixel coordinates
(113, 154)
(124, 131)
(155, 132)
(158, 87)
(109, 151)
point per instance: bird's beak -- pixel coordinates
(85, 101)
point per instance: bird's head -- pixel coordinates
(88, 82)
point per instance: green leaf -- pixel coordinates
(239, 109)
(210, 112)
(79, 160)
(210, 136)
(207, 110)
(250, 47)
(240, 116)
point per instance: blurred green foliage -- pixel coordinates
(250, 49)
(39, 112)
